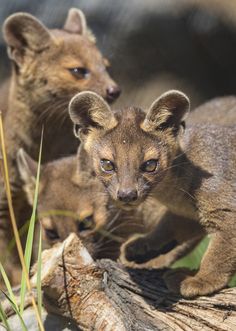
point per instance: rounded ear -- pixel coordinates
(28, 171)
(23, 31)
(88, 110)
(168, 111)
(75, 22)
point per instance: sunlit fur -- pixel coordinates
(67, 197)
(38, 92)
(124, 147)
(196, 181)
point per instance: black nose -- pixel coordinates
(113, 92)
(127, 195)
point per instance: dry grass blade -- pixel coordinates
(13, 222)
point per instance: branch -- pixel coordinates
(106, 296)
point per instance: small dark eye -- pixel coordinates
(86, 224)
(107, 166)
(149, 166)
(52, 234)
(79, 73)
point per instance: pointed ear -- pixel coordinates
(88, 110)
(168, 111)
(28, 171)
(75, 22)
(23, 31)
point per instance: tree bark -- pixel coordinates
(106, 296)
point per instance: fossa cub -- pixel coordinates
(137, 154)
(71, 202)
(77, 202)
(49, 66)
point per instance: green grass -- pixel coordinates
(193, 259)
(17, 311)
(11, 298)
(30, 235)
(26, 257)
(3, 318)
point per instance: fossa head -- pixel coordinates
(65, 204)
(56, 64)
(130, 149)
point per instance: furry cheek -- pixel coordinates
(152, 178)
(110, 183)
(144, 185)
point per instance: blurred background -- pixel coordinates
(153, 45)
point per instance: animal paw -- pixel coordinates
(175, 277)
(196, 286)
(139, 250)
(190, 286)
(135, 250)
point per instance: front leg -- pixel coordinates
(216, 269)
(166, 260)
(139, 250)
(170, 232)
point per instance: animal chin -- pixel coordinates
(126, 206)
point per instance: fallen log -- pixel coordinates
(105, 296)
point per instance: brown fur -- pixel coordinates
(62, 188)
(41, 61)
(219, 111)
(38, 93)
(194, 178)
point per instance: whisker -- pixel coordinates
(190, 195)
(113, 220)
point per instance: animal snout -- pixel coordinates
(113, 92)
(127, 195)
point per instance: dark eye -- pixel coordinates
(86, 224)
(52, 234)
(149, 166)
(79, 73)
(107, 166)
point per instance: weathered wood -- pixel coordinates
(106, 296)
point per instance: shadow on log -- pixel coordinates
(104, 296)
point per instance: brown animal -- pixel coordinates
(192, 172)
(219, 111)
(76, 197)
(71, 202)
(48, 68)
(65, 187)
